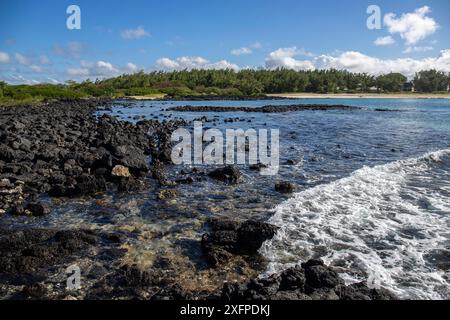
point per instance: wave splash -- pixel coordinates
(387, 224)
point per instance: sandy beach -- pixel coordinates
(360, 96)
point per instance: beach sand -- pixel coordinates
(360, 96)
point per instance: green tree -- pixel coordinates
(391, 82)
(2, 88)
(431, 81)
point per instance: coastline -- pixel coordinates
(359, 96)
(305, 96)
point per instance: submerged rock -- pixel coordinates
(167, 194)
(37, 209)
(229, 174)
(284, 187)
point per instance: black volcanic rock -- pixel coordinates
(229, 174)
(310, 281)
(228, 238)
(63, 149)
(265, 109)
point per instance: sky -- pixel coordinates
(117, 37)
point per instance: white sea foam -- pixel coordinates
(379, 224)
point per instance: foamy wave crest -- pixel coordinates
(388, 224)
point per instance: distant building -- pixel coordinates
(408, 86)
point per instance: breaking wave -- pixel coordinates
(388, 225)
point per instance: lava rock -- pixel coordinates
(37, 209)
(284, 187)
(229, 174)
(229, 238)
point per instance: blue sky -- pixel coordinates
(119, 36)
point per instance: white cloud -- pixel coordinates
(182, 63)
(4, 57)
(131, 67)
(137, 33)
(412, 27)
(384, 41)
(106, 66)
(99, 69)
(417, 49)
(256, 45)
(357, 62)
(246, 50)
(284, 58)
(23, 60)
(241, 51)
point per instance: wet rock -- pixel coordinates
(131, 157)
(293, 279)
(320, 276)
(229, 238)
(63, 149)
(37, 209)
(310, 281)
(167, 194)
(229, 174)
(120, 171)
(29, 251)
(252, 234)
(264, 109)
(129, 184)
(291, 162)
(284, 187)
(258, 166)
(33, 291)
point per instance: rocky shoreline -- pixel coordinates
(264, 109)
(63, 150)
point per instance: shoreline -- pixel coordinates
(275, 96)
(359, 96)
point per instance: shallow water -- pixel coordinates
(373, 195)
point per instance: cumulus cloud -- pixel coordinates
(131, 67)
(384, 41)
(354, 61)
(4, 57)
(412, 27)
(246, 50)
(284, 58)
(137, 33)
(189, 63)
(23, 60)
(100, 69)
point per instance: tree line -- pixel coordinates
(232, 83)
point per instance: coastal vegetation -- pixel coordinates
(227, 83)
